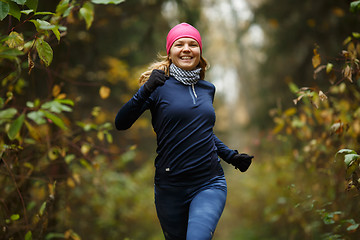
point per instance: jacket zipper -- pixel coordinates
(193, 93)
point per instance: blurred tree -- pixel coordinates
(291, 30)
(61, 86)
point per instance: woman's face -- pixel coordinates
(185, 53)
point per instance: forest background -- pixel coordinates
(287, 79)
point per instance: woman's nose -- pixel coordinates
(186, 47)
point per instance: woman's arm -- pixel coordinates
(223, 151)
(132, 110)
(239, 161)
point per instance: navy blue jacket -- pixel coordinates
(183, 118)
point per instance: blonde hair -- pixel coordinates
(164, 64)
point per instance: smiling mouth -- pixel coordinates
(185, 58)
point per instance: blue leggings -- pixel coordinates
(191, 213)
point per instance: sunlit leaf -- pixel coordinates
(4, 10)
(65, 101)
(8, 113)
(42, 208)
(56, 106)
(44, 13)
(350, 158)
(69, 158)
(45, 51)
(62, 7)
(337, 127)
(37, 117)
(53, 153)
(56, 90)
(15, 127)
(34, 133)
(27, 12)
(87, 12)
(55, 119)
(31, 63)
(15, 40)
(50, 236)
(356, 35)
(109, 137)
(104, 92)
(28, 235)
(329, 67)
(354, 6)
(316, 59)
(347, 73)
(21, 2)
(15, 217)
(85, 148)
(322, 96)
(107, 1)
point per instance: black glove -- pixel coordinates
(157, 78)
(241, 161)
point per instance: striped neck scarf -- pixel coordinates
(187, 77)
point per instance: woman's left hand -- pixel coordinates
(241, 161)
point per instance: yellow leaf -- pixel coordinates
(15, 40)
(104, 92)
(70, 182)
(347, 73)
(85, 149)
(322, 96)
(56, 90)
(338, 12)
(30, 63)
(316, 59)
(329, 67)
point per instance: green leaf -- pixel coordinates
(356, 35)
(62, 7)
(42, 208)
(32, 4)
(27, 12)
(1, 102)
(8, 113)
(44, 25)
(350, 158)
(21, 2)
(107, 1)
(37, 117)
(354, 6)
(14, 10)
(54, 235)
(343, 152)
(15, 217)
(10, 53)
(56, 107)
(28, 235)
(87, 12)
(15, 40)
(65, 101)
(15, 127)
(44, 13)
(329, 67)
(45, 51)
(55, 119)
(4, 10)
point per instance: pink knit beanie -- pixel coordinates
(182, 30)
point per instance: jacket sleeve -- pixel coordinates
(223, 151)
(132, 110)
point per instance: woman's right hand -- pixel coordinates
(156, 79)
